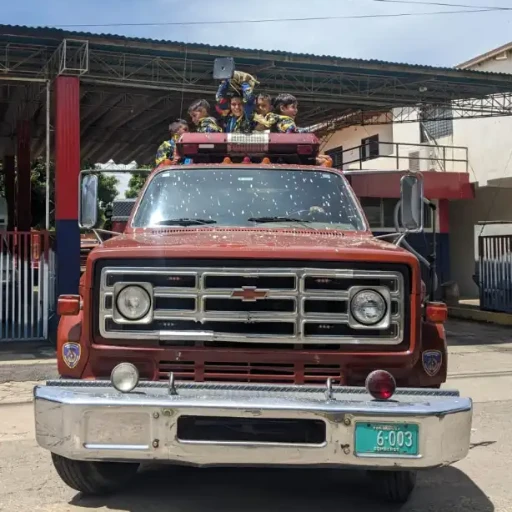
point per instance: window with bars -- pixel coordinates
(370, 148)
(434, 130)
(380, 213)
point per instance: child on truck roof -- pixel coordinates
(263, 108)
(282, 120)
(199, 112)
(236, 106)
(166, 149)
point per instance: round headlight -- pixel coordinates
(133, 302)
(125, 377)
(368, 307)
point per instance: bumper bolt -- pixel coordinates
(346, 450)
(156, 415)
(155, 443)
(347, 421)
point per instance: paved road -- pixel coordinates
(481, 482)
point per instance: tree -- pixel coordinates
(38, 193)
(137, 181)
(107, 188)
(135, 185)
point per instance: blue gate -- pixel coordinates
(495, 272)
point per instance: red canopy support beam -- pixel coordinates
(23, 196)
(67, 170)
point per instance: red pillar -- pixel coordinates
(23, 202)
(67, 170)
(10, 192)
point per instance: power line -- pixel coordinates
(275, 20)
(444, 4)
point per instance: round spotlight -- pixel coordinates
(380, 384)
(125, 377)
(368, 307)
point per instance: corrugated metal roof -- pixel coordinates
(45, 32)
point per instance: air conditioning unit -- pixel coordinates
(414, 161)
(426, 159)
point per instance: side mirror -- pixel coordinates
(88, 204)
(224, 68)
(411, 195)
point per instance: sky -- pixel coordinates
(438, 40)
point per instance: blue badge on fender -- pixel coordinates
(432, 361)
(71, 353)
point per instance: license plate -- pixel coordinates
(386, 439)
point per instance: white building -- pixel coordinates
(481, 147)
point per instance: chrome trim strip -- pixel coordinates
(298, 316)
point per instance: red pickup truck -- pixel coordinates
(248, 305)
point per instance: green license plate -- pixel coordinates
(386, 439)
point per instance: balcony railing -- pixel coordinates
(403, 156)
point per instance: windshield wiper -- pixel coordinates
(277, 219)
(186, 222)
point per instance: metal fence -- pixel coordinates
(27, 270)
(495, 272)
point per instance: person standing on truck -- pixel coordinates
(236, 109)
(199, 112)
(166, 149)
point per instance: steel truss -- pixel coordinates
(130, 94)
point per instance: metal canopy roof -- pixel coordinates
(131, 88)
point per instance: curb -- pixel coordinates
(27, 371)
(477, 315)
(28, 362)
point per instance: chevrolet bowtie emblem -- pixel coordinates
(249, 294)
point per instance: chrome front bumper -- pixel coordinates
(90, 420)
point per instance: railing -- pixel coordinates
(27, 273)
(404, 156)
(495, 272)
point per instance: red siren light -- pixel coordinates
(381, 385)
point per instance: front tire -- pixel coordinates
(394, 486)
(94, 478)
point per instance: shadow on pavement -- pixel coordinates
(269, 490)
(467, 333)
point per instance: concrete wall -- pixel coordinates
(490, 203)
(351, 137)
(396, 156)
(488, 140)
(490, 147)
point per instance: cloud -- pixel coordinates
(436, 40)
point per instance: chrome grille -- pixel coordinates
(285, 306)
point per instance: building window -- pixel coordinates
(337, 156)
(369, 148)
(434, 130)
(380, 213)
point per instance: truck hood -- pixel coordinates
(252, 243)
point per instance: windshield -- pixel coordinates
(248, 197)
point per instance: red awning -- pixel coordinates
(437, 185)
